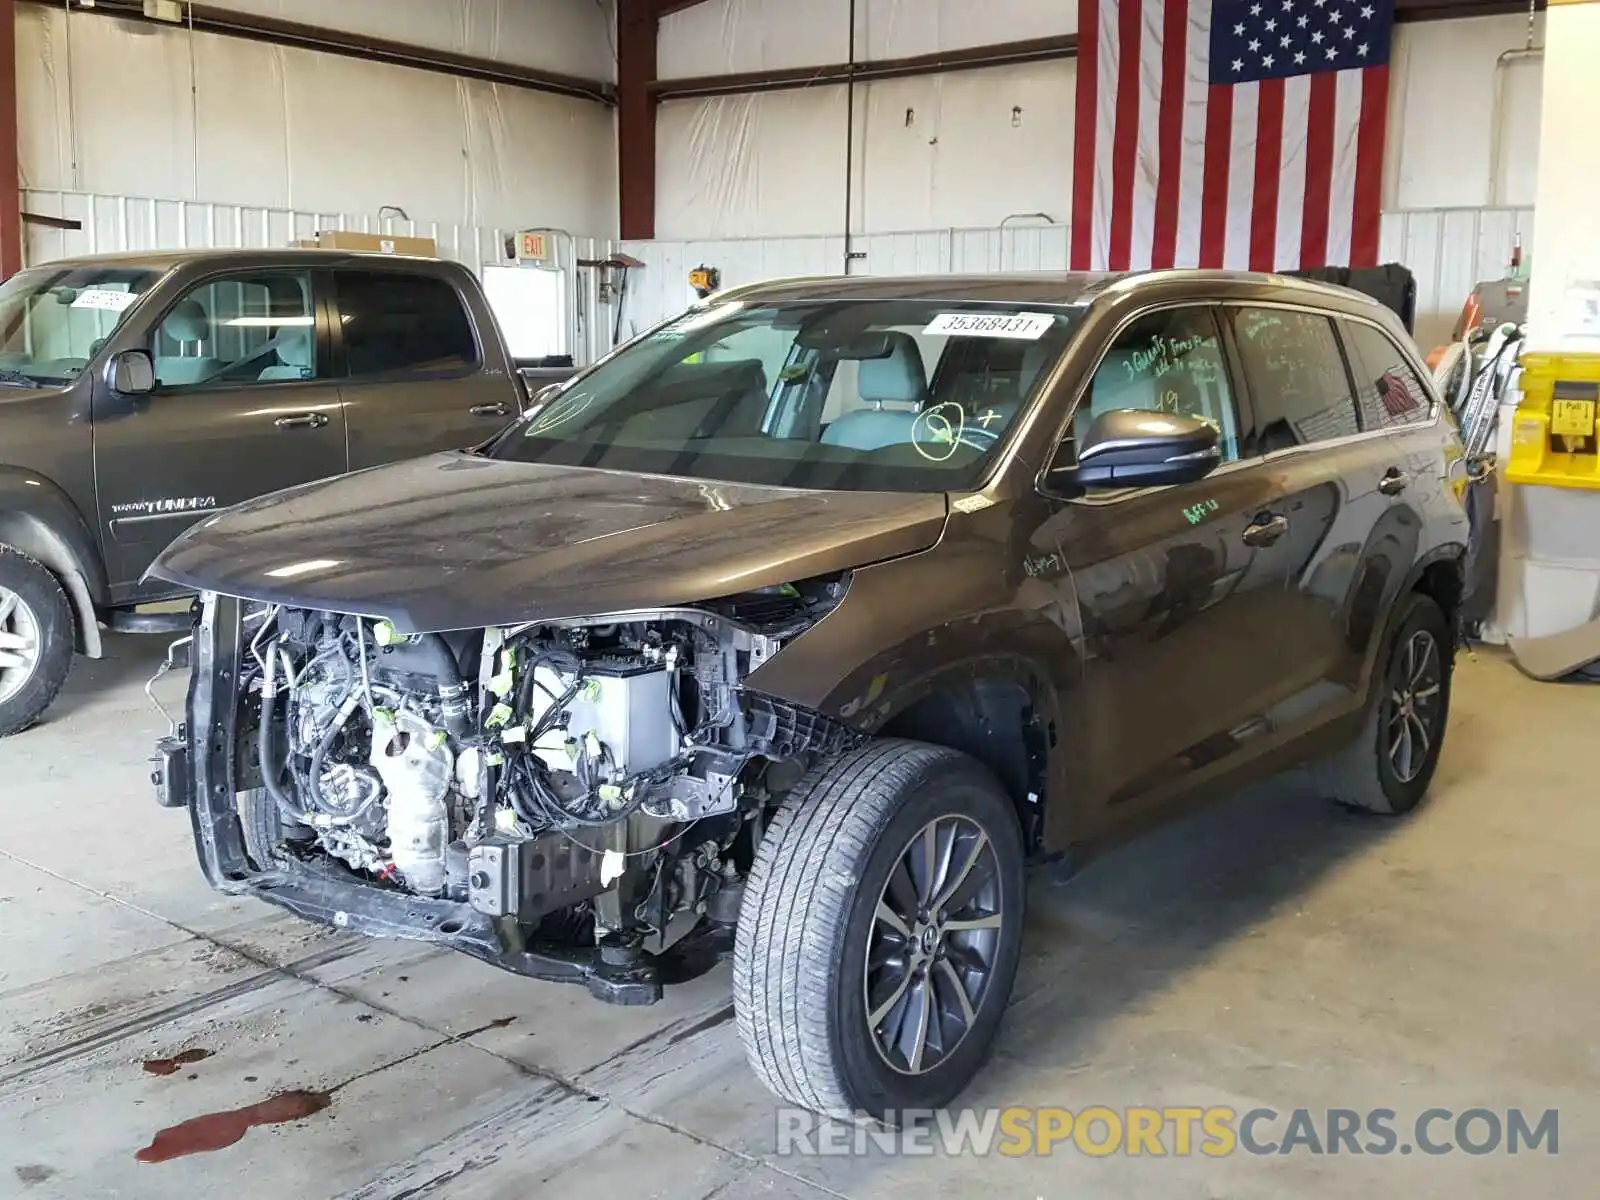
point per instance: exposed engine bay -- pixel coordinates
(595, 782)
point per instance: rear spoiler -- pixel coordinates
(1391, 285)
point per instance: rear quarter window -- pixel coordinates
(1387, 387)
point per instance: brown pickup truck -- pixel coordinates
(140, 393)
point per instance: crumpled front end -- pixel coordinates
(576, 801)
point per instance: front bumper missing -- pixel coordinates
(322, 893)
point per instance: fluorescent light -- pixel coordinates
(263, 322)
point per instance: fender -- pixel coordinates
(842, 666)
(40, 519)
(1448, 552)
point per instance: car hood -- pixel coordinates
(454, 541)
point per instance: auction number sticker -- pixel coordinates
(1025, 326)
(104, 298)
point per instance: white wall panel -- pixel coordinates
(570, 36)
(295, 129)
(1448, 250)
(1442, 118)
(773, 164)
(969, 148)
(723, 36)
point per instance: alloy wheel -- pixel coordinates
(1413, 706)
(933, 946)
(19, 644)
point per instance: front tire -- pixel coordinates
(880, 931)
(1388, 768)
(36, 638)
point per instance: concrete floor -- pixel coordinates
(1272, 951)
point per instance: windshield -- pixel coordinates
(909, 396)
(53, 320)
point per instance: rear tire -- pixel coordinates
(36, 640)
(817, 958)
(1388, 768)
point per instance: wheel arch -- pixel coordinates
(39, 519)
(1001, 710)
(1441, 576)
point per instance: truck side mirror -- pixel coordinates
(132, 373)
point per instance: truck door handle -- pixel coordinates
(490, 410)
(1265, 529)
(302, 421)
(1393, 482)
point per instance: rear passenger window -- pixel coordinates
(1386, 386)
(401, 323)
(1296, 376)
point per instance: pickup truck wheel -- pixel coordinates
(880, 931)
(1388, 768)
(35, 640)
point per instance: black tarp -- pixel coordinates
(1391, 285)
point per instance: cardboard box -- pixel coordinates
(371, 243)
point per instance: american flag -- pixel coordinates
(1229, 133)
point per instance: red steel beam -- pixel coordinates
(10, 166)
(637, 24)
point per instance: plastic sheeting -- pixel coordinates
(969, 148)
(570, 36)
(947, 150)
(107, 107)
(1442, 119)
(723, 36)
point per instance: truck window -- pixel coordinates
(400, 323)
(53, 320)
(254, 327)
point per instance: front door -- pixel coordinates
(243, 406)
(414, 377)
(1178, 606)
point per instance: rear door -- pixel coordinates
(415, 376)
(244, 405)
(1327, 495)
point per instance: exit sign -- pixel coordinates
(534, 246)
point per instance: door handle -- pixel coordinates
(1393, 482)
(1265, 529)
(490, 410)
(302, 421)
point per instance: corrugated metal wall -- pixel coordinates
(1448, 249)
(108, 224)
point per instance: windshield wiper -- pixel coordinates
(18, 379)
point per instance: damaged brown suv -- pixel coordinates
(794, 628)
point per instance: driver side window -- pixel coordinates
(1169, 361)
(239, 330)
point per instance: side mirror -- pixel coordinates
(132, 373)
(1132, 448)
